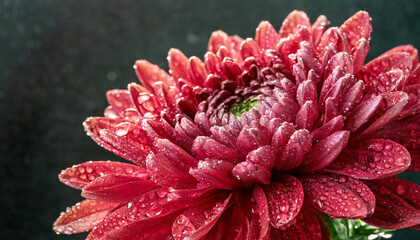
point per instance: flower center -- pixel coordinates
(244, 106)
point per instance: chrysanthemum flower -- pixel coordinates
(259, 141)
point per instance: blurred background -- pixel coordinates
(59, 57)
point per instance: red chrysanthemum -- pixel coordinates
(257, 141)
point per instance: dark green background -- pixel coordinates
(57, 59)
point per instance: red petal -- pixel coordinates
(307, 226)
(266, 36)
(205, 147)
(150, 74)
(299, 144)
(413, 105)
(117, 187)
(120, 100)
(357, 27)
(248, 173)
(362, 113)
(250, 48)
(82, 217)
(359, 54)
(405, 132)
(217, 39)
(306, 92)
(251, 138)
(332, 38)
(340, 88)
(332, 78)
(330, 196)
(198, 70)
(360, 189)
(319, 27)
(285, 199)
(261, 208)
(341, 60)
(286, 108)
(281, 136)
(80, 175)
(116, 226)
(325, 152)
(263, 156)
(161, 201)
(176, 155)
(197, 221)
(129, 146)
(397, 203)
(385, 63)
(215, 173)
(291, 44)
(179, 64)
(332, 126)
(408, 49)
(351, 98)
(292, 22)
(164, 173)
(375, 158)
(394, 104)
(307, 115)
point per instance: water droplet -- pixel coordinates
(401, 190)
(122, 129)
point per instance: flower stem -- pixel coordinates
(355, 229)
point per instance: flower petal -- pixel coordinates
(162, 201)
(266, 36)
(319, 27)
(176, 155)
(397, 203)
(82, 217)
(292, 156)
(197, 221)
(116, 226)
(251, 137)
(205, 147)
(333, 38)
(357, 27)
(394, 104)
(359, 54)
(215, 173)
(413, 105)
(306, 92)
(248, 173)
(407, 49)
(122, 143)
(164, 173)
(80, 175)
(362, 113)
(351, 98)
(149, 74)
(375, 158)
(120, 100)
(285, 199)
(307, 115)
(292, 22)
(325, 152)
(385, 63)
(235, 218)
(179, 64)
(117, 187)
(330, 196)
(332, 126)
(307, 226)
